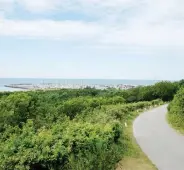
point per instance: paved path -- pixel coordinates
(163, 146)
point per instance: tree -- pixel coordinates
(165, 90)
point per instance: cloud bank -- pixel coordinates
(117, 22)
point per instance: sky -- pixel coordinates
(105, 39)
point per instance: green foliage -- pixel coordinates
(4, 94)
(164, 90)
(65, 129)
(181, 83)
(56, 147)
(14, 109)
(176, 110)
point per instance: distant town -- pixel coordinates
(47, 86)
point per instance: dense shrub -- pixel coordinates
(67, 129)
(176, 110)
(163, 90)
(65, 145)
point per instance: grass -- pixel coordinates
(134, 158)
(135, 164)
(176, 122)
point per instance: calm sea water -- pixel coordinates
(7, 81)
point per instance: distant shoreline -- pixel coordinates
(66, 83)
(50, 86)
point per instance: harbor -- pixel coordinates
(56, 86)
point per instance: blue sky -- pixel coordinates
(118, 39)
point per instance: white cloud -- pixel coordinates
(64, 5)
(44, 5)
(65, 30)
(39, 5)
(165, 35)
(95, 33)
(4, 4)
(120, 22)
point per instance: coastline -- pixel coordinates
(53, 86)
(24, 84)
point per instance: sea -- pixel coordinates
(8, 81)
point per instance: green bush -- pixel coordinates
(164, 90)
(176, 110)
(64, 129)
(62, 146)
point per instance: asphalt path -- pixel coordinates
(162, 144)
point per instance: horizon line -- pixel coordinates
(86, 78)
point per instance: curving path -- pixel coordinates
(163, 146)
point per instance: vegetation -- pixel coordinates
(176, 111)
(133, 158)
(72, 129)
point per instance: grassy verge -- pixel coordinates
(134, 158)
(175, 114)
(176, 121)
